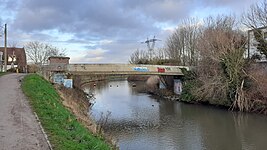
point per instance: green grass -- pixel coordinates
(2, 73)
(64, 132)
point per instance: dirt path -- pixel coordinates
(19, 129)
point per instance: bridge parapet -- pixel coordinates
(124, 69)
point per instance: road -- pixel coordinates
(19, 129)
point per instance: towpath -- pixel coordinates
(19, 128)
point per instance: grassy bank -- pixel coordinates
(2, 73)
(64, 131)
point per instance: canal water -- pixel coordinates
(142, 122)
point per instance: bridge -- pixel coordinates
(61, 64)
(123, 69)
(59, 70)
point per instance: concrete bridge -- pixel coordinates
(118, 69)
(124, 69)
(58, 72)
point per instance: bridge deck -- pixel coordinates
(118, 69)
(124, 73)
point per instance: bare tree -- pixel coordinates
(139, 57)
(256, 19)
(160, 54)
(217, 37)
(174, 46)
(256, 16)
(181, 45)
(39, 52)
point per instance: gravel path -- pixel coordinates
(19, 129)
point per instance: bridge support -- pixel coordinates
(166, 81)
(177, 89)
(173, 83)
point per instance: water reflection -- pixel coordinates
(142, 122)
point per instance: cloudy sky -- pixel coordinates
(104, 31)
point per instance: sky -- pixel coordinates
(104, 31)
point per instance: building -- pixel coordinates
(53, 60)
(16, 58)
(252, 43)
(55, 70)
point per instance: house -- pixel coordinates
(16, 58)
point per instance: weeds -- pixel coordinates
(103, 121)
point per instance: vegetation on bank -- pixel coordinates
(216, 47)
(2, 73)
(64, 131)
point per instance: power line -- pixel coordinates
(150, 45)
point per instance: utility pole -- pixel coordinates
(5, 48)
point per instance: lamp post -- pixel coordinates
(1, 61)
(5, 32)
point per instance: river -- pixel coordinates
(142, 122)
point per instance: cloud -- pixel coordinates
(96, 52)
(110, 18)
(83, 18)
(105, 30)
(96, 55)
(80, 59)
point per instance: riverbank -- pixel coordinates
(250, 97)
(2, 73)
(63, 129)
(190, 83)
(139, 121)
(80, 103)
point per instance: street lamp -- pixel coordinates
(1, 61)
(5, 32)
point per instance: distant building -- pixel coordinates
(53, 60)
(252, 43)
(55, 70)
(16, 58)
(57, 63)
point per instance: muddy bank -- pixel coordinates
(78, 102)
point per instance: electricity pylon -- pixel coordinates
(150, 45)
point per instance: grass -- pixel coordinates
(2, 73)
(64, 131)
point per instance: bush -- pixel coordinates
(33, 68)
(189, 84)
